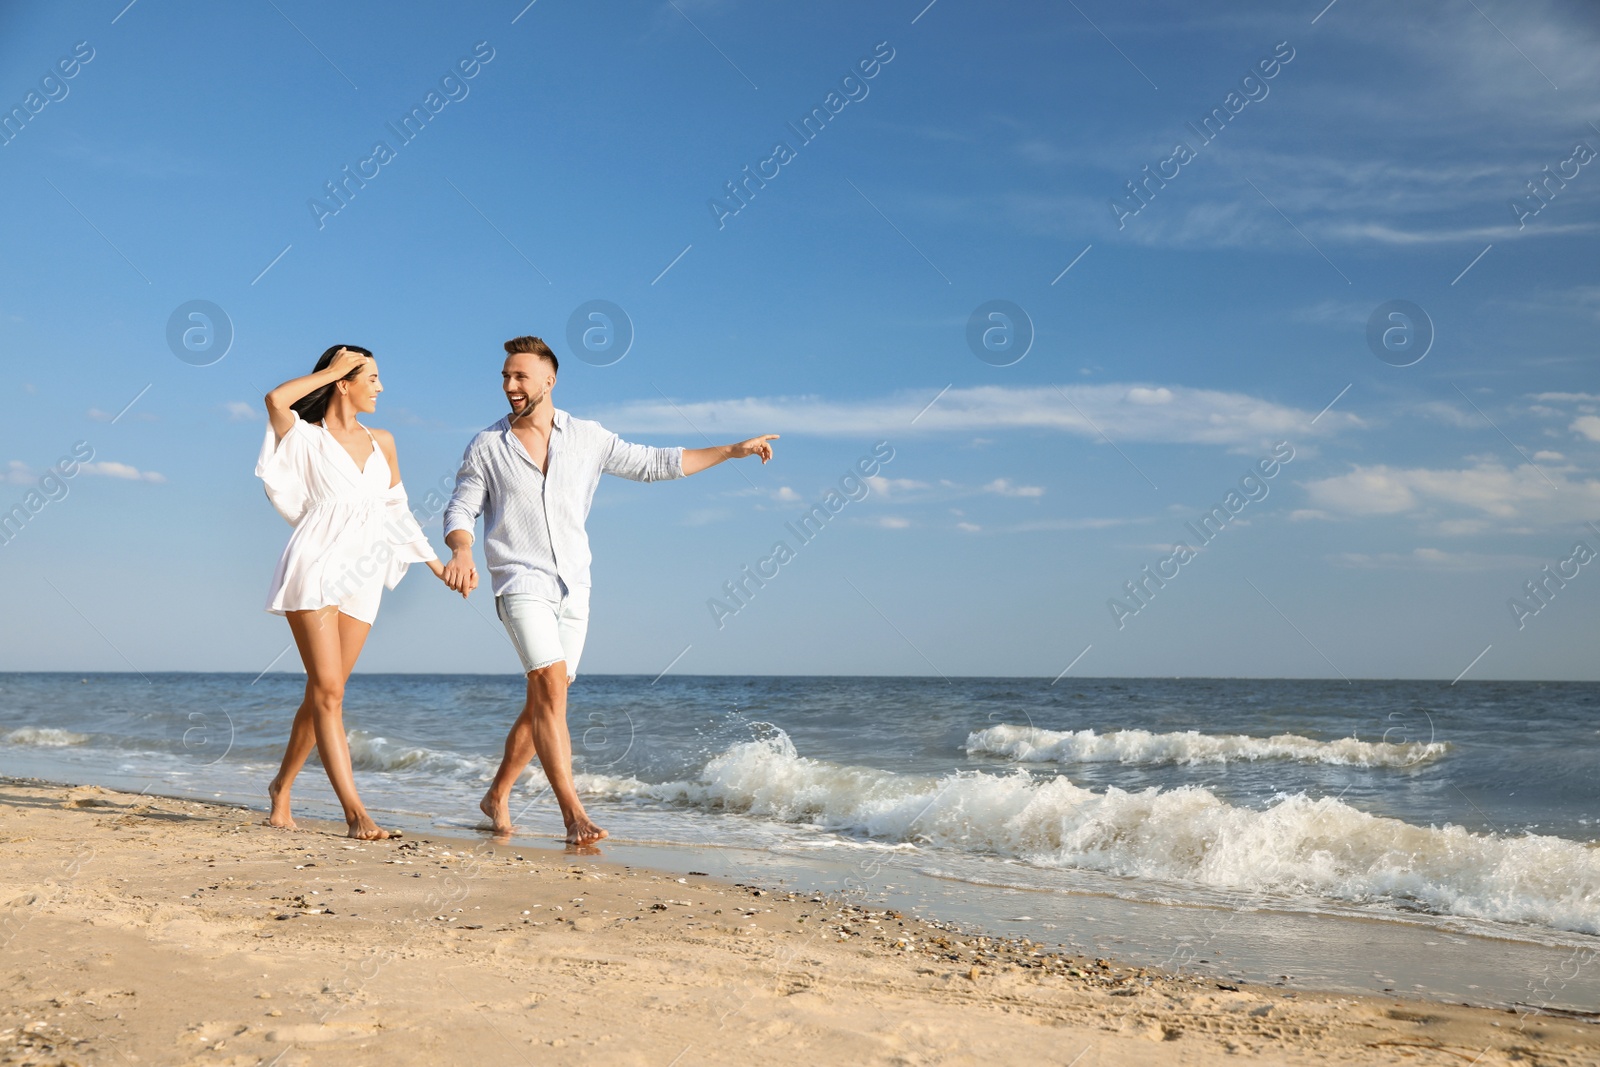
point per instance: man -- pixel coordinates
(532, 476)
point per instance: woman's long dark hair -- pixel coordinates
(314, 405)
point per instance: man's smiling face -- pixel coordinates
(526, 380)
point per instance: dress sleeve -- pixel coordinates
(407, 543)
(281, 466)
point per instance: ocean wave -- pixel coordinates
(1028, 744)
(1296, 845)
(369, 752)
(43, 737)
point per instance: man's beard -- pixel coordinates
(527, 408)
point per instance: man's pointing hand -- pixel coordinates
(756, 446)
(696, 460)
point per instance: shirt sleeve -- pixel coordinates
(281, 467)
(640, 463)
(466, 503)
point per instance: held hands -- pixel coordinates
(460, 574)
(438, 570)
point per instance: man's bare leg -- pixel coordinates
(541, 729)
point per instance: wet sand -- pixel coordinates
(148, 930)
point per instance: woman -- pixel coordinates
(338, 484)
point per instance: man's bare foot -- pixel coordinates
(498, 809)
(364, 829)
(580, 831)
(279, 816)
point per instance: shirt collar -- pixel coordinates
(558, 421)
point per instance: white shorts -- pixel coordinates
(546, 631)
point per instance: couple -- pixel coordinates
(532, 475)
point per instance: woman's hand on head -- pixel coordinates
(345, 361)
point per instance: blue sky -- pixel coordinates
(1172, 349)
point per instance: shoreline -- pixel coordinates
(1232, 937)
(184, 931)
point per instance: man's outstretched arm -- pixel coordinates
(696, 460)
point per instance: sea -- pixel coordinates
(1408, 837)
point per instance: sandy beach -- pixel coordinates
(149, 930)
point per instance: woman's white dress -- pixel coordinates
(353, 533)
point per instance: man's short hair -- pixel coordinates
(532, 346)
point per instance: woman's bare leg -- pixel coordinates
(302, 739)
(319, 633)
(302, 734)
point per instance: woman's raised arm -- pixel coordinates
(281, 399)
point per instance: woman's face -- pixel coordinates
(362, 390)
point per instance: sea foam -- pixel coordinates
(43, 737)
(1028, 744)
(369, 752)
(1297, 845)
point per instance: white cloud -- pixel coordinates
(1071, 524)
(1557, 398)
(239, 411)
(1549, 457)
(1164, 547)
(1433, 559)
(1449, 414)
(706, 516)
(1525, 492)
(1461, 527)
(891, 522)
(969, 527)
(113, 469)
(893, 486)
(1364, 491)
(18, 473)
(1127, 413)
(1364, 232)
(1003, 487)
(1588, 425)
(781, 495)
(1332, 313)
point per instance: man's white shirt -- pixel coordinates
(533, 521)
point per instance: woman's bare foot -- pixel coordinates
(363, 828)
(279, 816)
(498, 809)
(580, 831)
